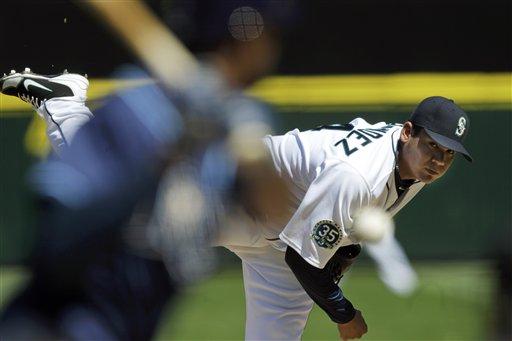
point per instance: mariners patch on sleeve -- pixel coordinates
(326, 233)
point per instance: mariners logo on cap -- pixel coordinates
(326, 233)
(461, 127)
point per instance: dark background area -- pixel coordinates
(350, 36)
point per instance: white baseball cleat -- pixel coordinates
(36, 89)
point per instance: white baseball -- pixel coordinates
(371, 224)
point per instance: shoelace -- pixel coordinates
(36, 102)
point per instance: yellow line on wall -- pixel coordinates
(310, 92)
(392, 89)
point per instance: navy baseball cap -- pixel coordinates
(444, 121)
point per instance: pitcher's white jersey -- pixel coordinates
(333, 171)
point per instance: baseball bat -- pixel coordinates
(166, 58)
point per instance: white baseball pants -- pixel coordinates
(63, 118)
(277, 307)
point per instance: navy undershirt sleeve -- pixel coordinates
(320, 286)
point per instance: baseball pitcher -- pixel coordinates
(332, 172)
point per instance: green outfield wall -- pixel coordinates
(16, 214)
(461, 216)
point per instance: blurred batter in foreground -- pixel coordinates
(139, 187)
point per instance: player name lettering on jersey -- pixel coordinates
(358, 138)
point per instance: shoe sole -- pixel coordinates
(64, 76)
